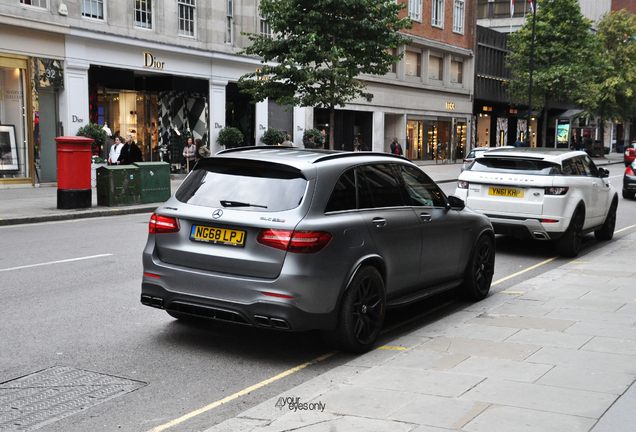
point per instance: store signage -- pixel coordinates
(487, 108)
(450, 106)
(14, 95)
(513, 111)
(76, 119)
(51, 73)
(151, 62)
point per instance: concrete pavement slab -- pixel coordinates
(376, 404)
(481, 348)
(522, 322)
(502, 369)
(612, 345)
(615, 317)
(439, 412)
(558, 400)
(414, 380)
(549, 338)
(584, 359)
(522, 307)
(603, 329)
(588, 305)
(490, 333)
(622, 416)
(338, 424)
(587, 379)
(506, 418)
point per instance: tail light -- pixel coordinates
(462, 184)
(294, 241)
(549, 221)
(160, 224)
(556, 190)
(629, 171)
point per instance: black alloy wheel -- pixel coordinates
(480, 270)
(569, 245)
(607, 230)
(362, 312)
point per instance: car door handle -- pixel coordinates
(379, 222)
(425, 217)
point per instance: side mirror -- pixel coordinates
(603, 173)
(455, 203)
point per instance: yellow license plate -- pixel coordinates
(505, 192)
(217, 235)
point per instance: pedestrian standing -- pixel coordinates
(115, 151)
(396, 147)
(130, 153)
(202, 151)
(189, 153)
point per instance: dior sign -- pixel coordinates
(151, 62)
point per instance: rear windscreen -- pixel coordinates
(248, 186)
(520, 166)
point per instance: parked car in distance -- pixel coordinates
(296, 239)
(629, 181)
(630, 153)
(542, 194)
(475, 152)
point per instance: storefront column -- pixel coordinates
(299, 125)
(217, 112)
(378, 132)
(74, 112)
(262, 120)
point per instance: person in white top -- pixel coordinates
(115, 149)
(189, 153)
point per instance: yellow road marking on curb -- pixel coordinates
(620, 230)
(392, 348)
(625, 240)
(578, 262)
(523, 271)
(513, 292)
(240, 393)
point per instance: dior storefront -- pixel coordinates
(160, 95)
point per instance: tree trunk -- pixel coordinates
(544, 126)
(332, 121)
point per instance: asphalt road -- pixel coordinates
(70, 297)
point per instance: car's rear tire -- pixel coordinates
(607, 230)
(480, 270)
(569, 244)
(362, 312)
(628, 194)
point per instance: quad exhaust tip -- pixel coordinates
(270, 322)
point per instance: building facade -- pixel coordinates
(159, 70)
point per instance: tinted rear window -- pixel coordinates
(248, 186)
(521, 166)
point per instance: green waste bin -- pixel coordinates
(155, 181)
(118, 185)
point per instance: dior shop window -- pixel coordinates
(16, 158)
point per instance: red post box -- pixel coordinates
(74, 172)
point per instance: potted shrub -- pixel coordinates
(319, 138)
(96, 132)
(230, 137)
(273, 136)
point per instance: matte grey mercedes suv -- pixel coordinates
(296, 239)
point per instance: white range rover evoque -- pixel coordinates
(542, 194)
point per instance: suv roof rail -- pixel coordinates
(246, 148)
(344, 154)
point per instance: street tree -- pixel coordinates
(320, 49)
(561, 67)
(612, 95)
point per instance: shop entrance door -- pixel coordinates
(48, 120)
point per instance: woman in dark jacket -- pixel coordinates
(130, 153)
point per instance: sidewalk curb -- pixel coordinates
(80, 214)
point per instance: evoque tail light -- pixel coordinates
(556, 190)
(294, 241)
(160, 224)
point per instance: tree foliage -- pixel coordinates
(612, 95)
(320, 48)
(273, 136)
(563, 65)
(230, 137)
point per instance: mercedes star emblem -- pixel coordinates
(217, 213)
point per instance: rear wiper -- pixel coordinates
(225, 203)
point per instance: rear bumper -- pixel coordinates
(528, 228)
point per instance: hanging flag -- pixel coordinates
(532, 5)
(512, 8)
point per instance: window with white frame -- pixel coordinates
(436, 67)
(437, 16)
(36, 3)
(415, 10)
(187, 11)
(457, 70)
(143, 14)
(413, 61)
(266, 31)
(458, 16)
(93, 9)
(229, 19)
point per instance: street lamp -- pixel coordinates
(533, 5)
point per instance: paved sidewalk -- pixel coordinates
(27, 204)
(554, 353)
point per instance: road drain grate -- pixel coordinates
(43, 397)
